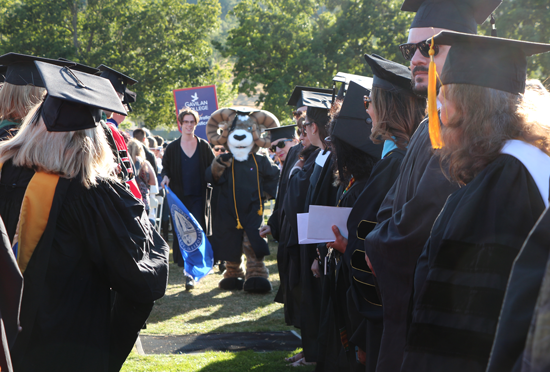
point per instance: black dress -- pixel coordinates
(404, 221)
(462, 273)
(363, 302)
(96, 239)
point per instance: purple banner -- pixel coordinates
(201, 99)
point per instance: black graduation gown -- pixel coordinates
(321, 192)
(335, 325)
(96, 239)
(404, 221)
(520, 300)
(364, 304)
(293, 204)
(462, 274)
(247, 204)
(11, 289)
(275, 220)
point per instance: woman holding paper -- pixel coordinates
(395, 113)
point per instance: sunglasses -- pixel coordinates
(408, 50)
(280, 144)
(366, 101)
(221, 149)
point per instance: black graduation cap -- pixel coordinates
(75, 98)
(296, 96)
(3, 70)
(129, 97)
(287, 131)
(487, 61)
(118, 79)
(22, 71)
(389, 75)
(345, 78)
(456, 15)
(81, 67)
(351, 126)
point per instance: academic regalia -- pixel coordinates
(462, 274)
(403, 225)
(364, 304)
(535, 357)
(246, 201)
(335, 326)
(97, 243)
(11, 289)
(519, 311)
(293, 204)
(321, 192)
(275, 220)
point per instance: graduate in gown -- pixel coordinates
(495, 146)
(526, 277)
(283, 143)
(408, 212)
(395, 113)
(80, 233)
(355, 156)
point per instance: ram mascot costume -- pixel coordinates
(245, 180)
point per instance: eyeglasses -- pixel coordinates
(408, 50)
(280, 144)
(366, 101)
(221, 149)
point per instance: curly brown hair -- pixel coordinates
(484, 120)
(397, 114)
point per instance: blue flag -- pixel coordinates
(194, 246)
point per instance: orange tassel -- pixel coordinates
(434, 125)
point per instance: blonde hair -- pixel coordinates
(68, 154)
(135, 149)
(484, 119)
(17, 100)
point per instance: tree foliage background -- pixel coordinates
(260, 48)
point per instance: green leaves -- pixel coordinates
(164, 44)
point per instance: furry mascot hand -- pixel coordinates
(220, 163)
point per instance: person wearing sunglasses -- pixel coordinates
(218, 150)
(410, 208)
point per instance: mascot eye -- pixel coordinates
(249, 128)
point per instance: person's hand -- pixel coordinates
(315, 269)
(340, 243)
(265, 230)
(165, 182)
(369, 264)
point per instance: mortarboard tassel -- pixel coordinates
(261, 210)
(239, 226)
(493, 26)
(434, 126)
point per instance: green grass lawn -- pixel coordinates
(207, 309)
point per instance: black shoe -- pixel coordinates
(221, 266)
(189, 283)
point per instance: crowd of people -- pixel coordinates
(443, 264)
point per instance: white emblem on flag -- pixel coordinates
(190, 239)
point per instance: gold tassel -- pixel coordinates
(239, 226)
(434, 125)
(261, 210)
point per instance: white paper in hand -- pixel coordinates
(322, 218)
(302, 230)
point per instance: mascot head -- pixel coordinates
(239, 130)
